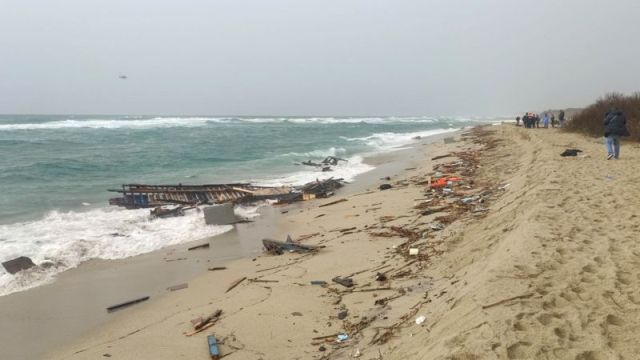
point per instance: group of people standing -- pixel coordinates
(531, 120)
(615, 127)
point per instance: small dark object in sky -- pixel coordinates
(570, 152)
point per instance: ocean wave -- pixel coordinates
(110, 124)
(348, 170)
(66, 239)
(332, 151)
(389, 141)
(168, 122)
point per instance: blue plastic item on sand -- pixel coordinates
(213, 347)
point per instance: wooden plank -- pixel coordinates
(235, 283)
(127, 303)
(333, 202)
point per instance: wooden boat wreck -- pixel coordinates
(136, 196)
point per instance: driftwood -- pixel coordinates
(216, 268)
(235, 283)
(333, 202)
(525, 296)
(441, 156)
(197, 247)
(178, 287)
(205, 323)
(127, 303)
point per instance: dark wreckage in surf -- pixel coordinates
(135, 196)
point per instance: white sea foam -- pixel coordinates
(389, 141)
(332, 151)
(160, 122)
(168, 122)
(344, 170)
(66, 239)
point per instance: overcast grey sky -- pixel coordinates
(328, 57)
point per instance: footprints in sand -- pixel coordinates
(586, 273)
(519, 350)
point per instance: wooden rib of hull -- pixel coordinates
(142, 196)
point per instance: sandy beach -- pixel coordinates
(539, 261)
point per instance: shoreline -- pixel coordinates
(78, 296)
(541, 263)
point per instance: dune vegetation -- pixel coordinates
(590, 119)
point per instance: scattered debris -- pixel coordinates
(441, 157)
(221, 214)
(197, 247)
(318, 282)
(413, 251)
(571, 152)
(525, 296)
(346, 282)
(347, 229)
(381, 277)
(385, 187)
(216, 268)
(263, 281)
(178, 287)
(343, 314)
(161, 212)
(333, 202)
(420, 319)
(343, 337)
(201, 324)
(235, 283)
(113, 308)
(436, 226)
(280, 247)
(214, 351)
(18, 264)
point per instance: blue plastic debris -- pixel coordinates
(213, 347)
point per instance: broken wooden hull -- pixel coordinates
(145, 196)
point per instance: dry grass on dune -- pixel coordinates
(589, 120)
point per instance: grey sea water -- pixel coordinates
(55, 172)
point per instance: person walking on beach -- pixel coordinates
(615, 126)
(517, 120)
(537, 120)
(553, 120)
(561, 118)
(546, 121)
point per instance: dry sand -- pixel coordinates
(550, 271)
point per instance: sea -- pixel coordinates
(56, 170)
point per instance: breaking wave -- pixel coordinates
(63, 240)
(389, 141)
(169, 122)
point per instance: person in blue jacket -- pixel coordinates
(615, 126)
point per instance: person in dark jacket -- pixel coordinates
(615, 126)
